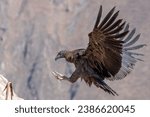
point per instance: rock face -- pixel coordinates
(6, 90)
(33, 31)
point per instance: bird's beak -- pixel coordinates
(57, 57)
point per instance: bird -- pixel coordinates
(109, 54)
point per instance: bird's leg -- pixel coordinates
(60, 76)
(71, 79)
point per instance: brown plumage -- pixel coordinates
(108, 54)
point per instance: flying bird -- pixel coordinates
(108, 56)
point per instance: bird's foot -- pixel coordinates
(59, 76)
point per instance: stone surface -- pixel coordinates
(33, 31)
(6, 90)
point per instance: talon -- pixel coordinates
(58, 75)
(54, 74)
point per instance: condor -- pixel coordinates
(109, 54)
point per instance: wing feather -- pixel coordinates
(117, 35)
(111, 27)
(126, 29)
(117, 30)
(98, 17)
(135, 47)
(132, 41)
(111, 20)
(108, 49)
(130, 35)
(107, 18)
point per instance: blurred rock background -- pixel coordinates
(33, 31)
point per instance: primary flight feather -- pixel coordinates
(108, 54)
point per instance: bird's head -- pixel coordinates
(60, 54)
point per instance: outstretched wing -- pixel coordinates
(129, 58)
(108, 52)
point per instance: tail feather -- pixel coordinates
(101, 84)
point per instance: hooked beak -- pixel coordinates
(57, 57)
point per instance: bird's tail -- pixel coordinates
(105, 87)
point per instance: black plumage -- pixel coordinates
(107, 55)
